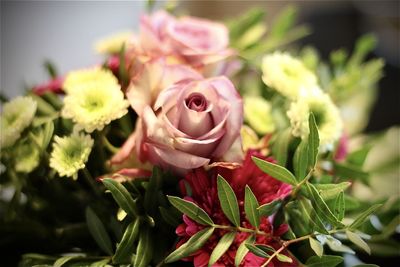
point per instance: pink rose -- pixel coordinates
(194, 41)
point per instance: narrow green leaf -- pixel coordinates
(348, 171)
(155, 182)
(61, 261)
(243, 250)
(125, 247)
(100, 263)
(313, 141)
(335, 245)
(357, 158)
(191, 210)
(193, 244)
(311, 217)
(123, 74)
(228, 201)
(269, 208)
(300, 160)
(251, 207)
(316, 246)
(169, 216)
(324, 261)
(281, 146)
(47, 134)
(330, 191)
(364, 216)
(340, 206)
(223, 245)
(98, 231)
(283, 258)
(321, 207)
(278, 172)
(357, 240)
(257, 251)
(366, 265)
(121, 196)
(144, 250)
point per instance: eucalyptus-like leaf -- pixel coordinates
(192, 245)
(251, 207)
(357, 240)
(330, 191)
(100, 263)
(348, 171)
(125, 247)
(243, 250)
(324, 261)
(311, 217)
(170, 217)
(364, 216)
(278, 172)
(269, 208)
(283, 258)
(281, 146)
(300, 160)
(63, 260)
(191, 210)
(98, 231)
(222, 246)
(335, 245)
(316, 246)
(228, 201)
(121, 196)
(155, 182)
(144, 250)
(340, 206)
(257, 251)
(313, 141)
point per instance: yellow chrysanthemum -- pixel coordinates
(287, 75)
(17, 115)
(326, 115)
(70, 154)
(257, 113)
(94, 102)
(112, 44)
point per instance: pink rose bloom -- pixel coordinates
(193, 41)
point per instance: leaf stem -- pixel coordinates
(241, 229)
(298, 186)
(90, 181)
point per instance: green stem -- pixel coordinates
(297, 188)
(90, 181)
(108, 145)
(241, 229)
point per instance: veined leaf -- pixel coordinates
(228, 201)
(155, 182)
(243, 250)
(257, 251)
(278, 172)
(322, 209)
(283, 258)
(169, 216)
(335, 245)
(324, 261)
(125, 247)
(191, 210)
(348, 171)
(193, 244)
(300, 160)
(313, 141)
(269, 208)
(281, 146)
(363, 216)
(121, 196)
(100, 263)
(98, 231)
(144, 250)
(356, 239)
(223, 245)
(311, 216)
(330, 191)
(340, 206)
(251, 207)
(61, 261)
(316, 246)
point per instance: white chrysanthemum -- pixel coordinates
(326, 115)
(17, 115)
(98, 101)
(112, 44)
(286, 74)
(257, 113)
(70, 153)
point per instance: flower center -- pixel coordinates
(196, 102)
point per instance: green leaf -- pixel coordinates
(283, 258)
(228, 201)
(321, 207)
(243, 250)
(311, 217)
(100, 263)
(123, 74)
(283, 22)
(356, 239)
(278, 172)
(98, 231)
(269, 208)
(144, 250)
(170, 216)
(348, 171)
(281, 146)
(324, 261)
(316, 246)
(192, 245)
(155, 182)
(366, 265)
(300, 160)
(257, 251)
(61, 261)
(313, 141)
(251, 207)
(239, 25)
(340, 206)
(364, 216)
(191, 210)
(330, 191)
(357, 158)
(335, 245)
(121, 196)
(125, 247)
(223, 245)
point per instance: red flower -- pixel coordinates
(54, 86)
(204, 193)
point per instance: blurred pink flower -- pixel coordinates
(54, 86)
(204, 194)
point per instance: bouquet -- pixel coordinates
(198, 143)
